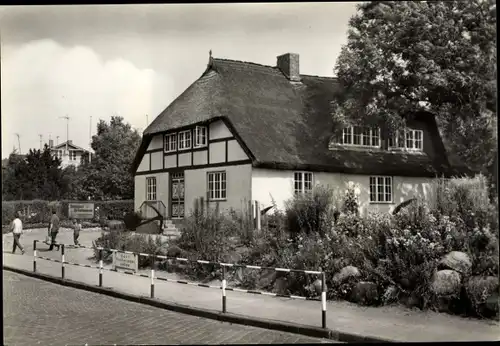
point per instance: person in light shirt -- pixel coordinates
(17, 230)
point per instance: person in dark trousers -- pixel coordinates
(77, 227)
(17, 229)
(53, 230)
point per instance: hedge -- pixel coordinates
(39, 211)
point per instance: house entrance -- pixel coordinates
(177, 195)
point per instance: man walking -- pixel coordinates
(53, 230)
(17, 230)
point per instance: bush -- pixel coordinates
(310, 213)
(206, 234)
(38, 211)
(129, 242)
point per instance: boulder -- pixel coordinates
(267, 278)
(346, 273)
(174, 251)
(365, 293)
(457, 261)
(446, 282)
(315, 287)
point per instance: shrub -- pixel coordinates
(310, 213)
(206, 234)
(129, 242)
(36, 211)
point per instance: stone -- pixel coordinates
(266, 279)
(315, 287)
(446, 282)
(345, 273)
(457, 261)
(365, 293)
(174, 251)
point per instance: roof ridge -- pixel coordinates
(246, 62)
(315, 76)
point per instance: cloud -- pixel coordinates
(43, 80)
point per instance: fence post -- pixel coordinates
(323, 300)
(153, 276)
(223, 288)
(62, 261)
(100, 267)
(34, 256)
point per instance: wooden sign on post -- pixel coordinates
(84, 211)
(126, 261)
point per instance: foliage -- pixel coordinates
(310, 213)
(108, 174)
(36, 175)
(129, 242)
(437, 56)
(351, 205)
(37, 211)
(206, 234)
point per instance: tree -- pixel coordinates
(436, 56)
(108, 175)
(35, 176)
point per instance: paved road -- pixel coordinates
(39, 312)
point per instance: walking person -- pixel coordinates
(53, 230)
(17, 229)
(77, 227)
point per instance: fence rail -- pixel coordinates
(222, 265)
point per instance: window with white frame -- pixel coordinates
(217, 186)
(184, 139)
(151, 189)
(170, 142)
(200, 136)
(381, 189)
(361, 136)
(407, 139)
(302, 182)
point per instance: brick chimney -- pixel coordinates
(70, 141)
(51, 143)
(289, 64)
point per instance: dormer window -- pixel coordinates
(184, 140)
(360, 136)
(408, 139)
(170, 143)
(200, 136)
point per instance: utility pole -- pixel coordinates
(57, 140)
(40, 141)
(90, 139)
(67, 131)
(18, 142)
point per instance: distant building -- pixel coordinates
(68, 153)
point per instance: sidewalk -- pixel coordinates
(388, 323)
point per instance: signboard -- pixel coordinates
(126, 261)
(81, 210)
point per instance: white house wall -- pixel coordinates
(235, 152)
(156, 142)
(278, 185)
(156, 160)
(162, 188)
(218, 130)
(238, 186)
(217, 152)
(144, 165)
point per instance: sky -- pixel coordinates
(93, 62)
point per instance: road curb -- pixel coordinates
(206, 313)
